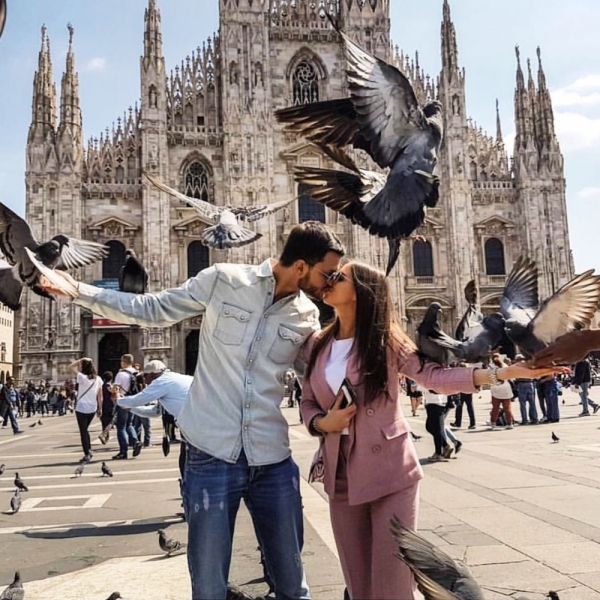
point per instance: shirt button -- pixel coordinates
(258, 339)
(249, 381)
(242, 318)
(250, 360)
(245, 427)
(370, 412)
(247, 406)
(226, 312)
(376, 449)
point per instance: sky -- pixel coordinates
(108, 43)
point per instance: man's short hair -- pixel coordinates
(310, 241)
(127, 359)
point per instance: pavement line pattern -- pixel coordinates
(17, 438)
(105, 481)
(92, 501)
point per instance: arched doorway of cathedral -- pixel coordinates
(192, 340)
(110, 349)
(2, 377)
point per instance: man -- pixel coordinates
(526, 395)
(8, 405)
(255, 320)
(168, 388)
(582, 378)
(126, 434)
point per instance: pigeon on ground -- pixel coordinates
(415, 437)
(106, 472)
(2, 467)
(40, 422)
(429, 333)
(15, 590)
(18, 245)
(133, 277)
(15, 502)
(532, 328)
(33, 425)
(79, 470)
(226, 230)
(166, 445)
(19, 483)
(114, 596)
(168, 545)
(382, 116)
(438, 576)
(235, 593)
(552, 595)
(2, 15)
(555, 438)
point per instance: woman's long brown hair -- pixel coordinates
(377, 329)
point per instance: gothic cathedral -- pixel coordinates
(206, 127)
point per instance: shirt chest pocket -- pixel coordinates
(232, 324)
(286, 346)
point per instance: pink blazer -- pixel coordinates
(382, 457)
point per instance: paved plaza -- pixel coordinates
(521, 511)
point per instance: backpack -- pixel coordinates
(134, 388)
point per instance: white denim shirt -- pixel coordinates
(247, 343)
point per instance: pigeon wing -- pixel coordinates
(572, 306)
(56, 280)
(2, 15)
(520, 298)
(207, 212)
(388, 112)
(80, 253)
(255, 213)
(15, 234)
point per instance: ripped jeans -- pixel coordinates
(212, 490)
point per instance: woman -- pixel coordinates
(89, 401)
(371, 472)
(435, 407)
(502, 395)
(415, 395)
(108, 406)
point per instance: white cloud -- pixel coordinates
(97, 63)
(589, 193)
(585, 91)
(576, 131)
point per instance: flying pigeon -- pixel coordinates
(2, 467)
(382, 117)
(18, 245)
(79, 470)
(167, 544)
(133, 277)
(19, 483)
(429, 333)
(15, 590)
(483, 338)
(106, 472)
(555, 438)
(2, 15)
(114, 596)
(15, 502)
(531, 327)
(438, 576)
(166, 445)
(225, 222)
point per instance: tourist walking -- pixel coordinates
(582, 379)
(108, 407)
(502, 395)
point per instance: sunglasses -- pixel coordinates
(333, 278)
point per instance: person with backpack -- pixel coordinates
(126, 385)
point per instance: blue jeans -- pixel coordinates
(585, 399)
(212, 490)
(551, 395)
(125, 431)
(526, 393)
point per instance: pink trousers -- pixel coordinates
(364, 542)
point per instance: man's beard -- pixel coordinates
(310, 290)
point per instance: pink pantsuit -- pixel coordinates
(374, 472)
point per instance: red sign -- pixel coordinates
(98, 322)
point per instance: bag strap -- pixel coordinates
(79, 397)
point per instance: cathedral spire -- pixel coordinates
(449, 45)
(547, 135)
(522, 108)
(152, 34)
(43, 119)
(499, 137)
(70, 112)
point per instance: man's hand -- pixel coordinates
(337, 419)
(56, 287)
(569, 348)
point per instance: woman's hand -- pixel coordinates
(337, 419)
(526, 370)
(99, 413)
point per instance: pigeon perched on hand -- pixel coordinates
(383, 118)
(106, 472)
(438, 576)
(18, 244)
(225, 222)
(133, 277)
(168, 545)
(19, 483)
(532, 327)
(429, 333)
(15, 590)
(473, 315)
(15, 502)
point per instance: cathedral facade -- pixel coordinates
(206, 127)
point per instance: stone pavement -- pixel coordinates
(521, 511)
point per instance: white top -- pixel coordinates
(335, 369)
(502, 391)
(87, 393)
(432, 397)
(123, 378)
